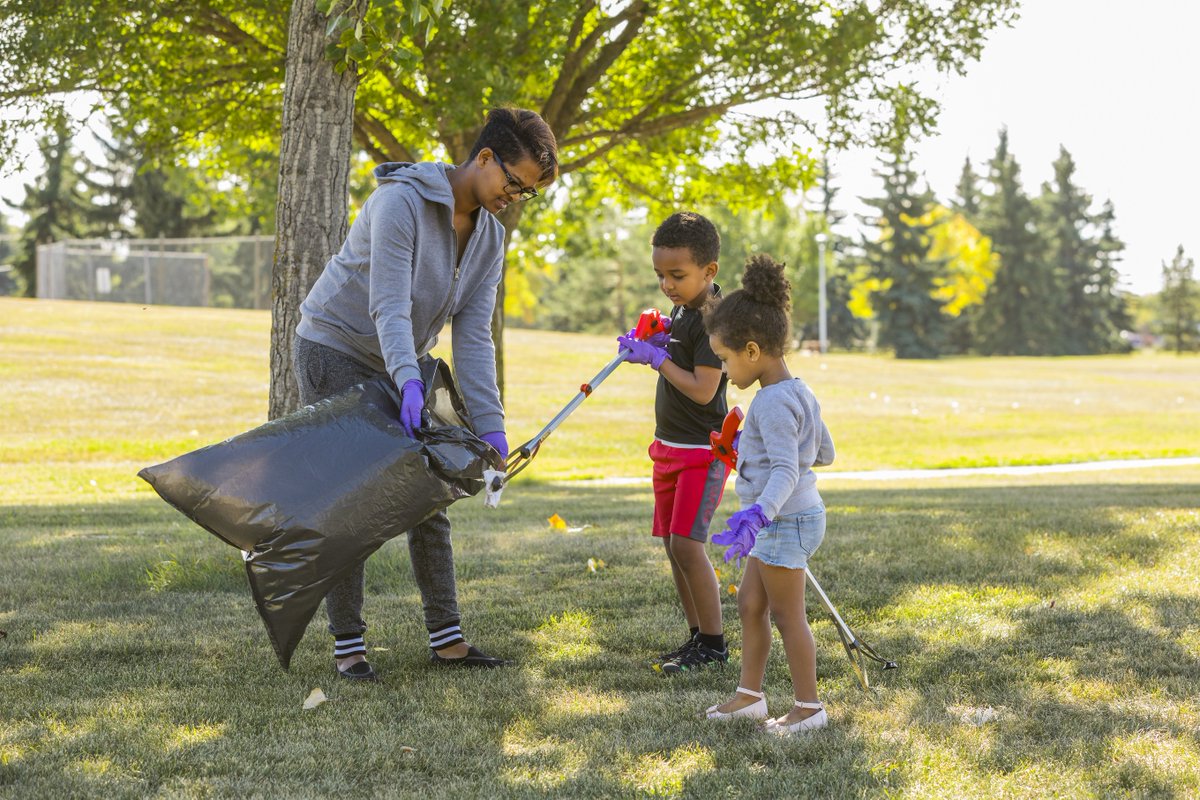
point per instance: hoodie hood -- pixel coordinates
(430, 179)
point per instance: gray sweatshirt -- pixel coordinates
(782, 439)
(385, 296)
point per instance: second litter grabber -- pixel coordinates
(724, 445)
(650, 323)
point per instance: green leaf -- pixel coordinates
(338, 24)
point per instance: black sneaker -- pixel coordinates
(678, 651)
(698, 655)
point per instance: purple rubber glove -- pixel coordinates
(660, 339)
(499, 441)
(643, 352)
(412, 402)
(740, 532)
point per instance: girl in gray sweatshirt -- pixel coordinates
(782, 521)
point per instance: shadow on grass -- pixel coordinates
(135, 660)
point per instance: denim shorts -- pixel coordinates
(791, 540)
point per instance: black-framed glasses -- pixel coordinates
(514, 186)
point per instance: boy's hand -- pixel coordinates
(644, 352)
(660, 339)
(740, 532)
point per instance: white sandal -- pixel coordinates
(756, 710)
(817, 720)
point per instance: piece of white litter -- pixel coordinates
(493, 484)
(977, 717)
(314, 699)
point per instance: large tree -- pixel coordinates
(1019, 312)
(902, 270)
(59, 204)
(1083, 252)
(1180, 303)
(662, 102)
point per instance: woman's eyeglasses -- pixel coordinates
(514, 187)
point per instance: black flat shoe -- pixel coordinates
(474, 658)
(361, 671)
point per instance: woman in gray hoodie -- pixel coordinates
(425, 248)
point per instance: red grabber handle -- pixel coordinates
(722, 443)
(649, 323)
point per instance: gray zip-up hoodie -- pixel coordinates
(385, 296)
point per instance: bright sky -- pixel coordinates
(1113, 81)
(1116, 83)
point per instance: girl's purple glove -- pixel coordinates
(740, 532)
(499, 441)
(644, 352)
(412, 402)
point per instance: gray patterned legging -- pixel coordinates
(322, 372)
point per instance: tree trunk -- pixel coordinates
(311, 217)
(510, 218)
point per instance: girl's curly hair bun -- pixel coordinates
(764, 281)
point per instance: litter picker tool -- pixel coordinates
(857, 650)
(649, 323)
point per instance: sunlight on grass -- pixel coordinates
(1160, 753)
(585, 703)
(537, 761)
(191, 735)
(661, 775)
(566, 637)
(951, 612)
(73, 635)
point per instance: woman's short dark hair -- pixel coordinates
(693, 231)
(758, 312)
(515, 134)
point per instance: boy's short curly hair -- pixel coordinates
(517, 133)
(758, 312)
(693, 231)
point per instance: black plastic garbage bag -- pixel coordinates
(308, 496)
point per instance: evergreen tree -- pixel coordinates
(910, 317)
(1111, 311)
(1179, 303)
(1074, 258)
(58, 203)
(967, 200)
(1018, 313)
(845, 331)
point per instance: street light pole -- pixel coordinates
(822, 338)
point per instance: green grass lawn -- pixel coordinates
(135, 665)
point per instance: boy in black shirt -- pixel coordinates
(689, 404)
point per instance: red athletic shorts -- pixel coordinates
(688, 484)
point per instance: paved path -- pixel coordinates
(922, 474)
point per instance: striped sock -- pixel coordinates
(349, 644)
(444, 637)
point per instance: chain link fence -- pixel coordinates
(226, 271)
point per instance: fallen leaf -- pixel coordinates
(560, 524)
(406, 749)
(314, 699)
